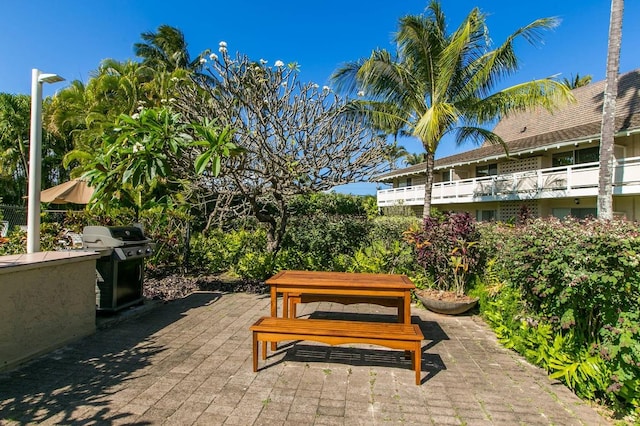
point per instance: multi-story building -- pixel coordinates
(551, 167)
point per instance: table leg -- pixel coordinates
(274, 302)
(285, 305)
(405, 302)
(407, 307)
(274, 312)
(293, 308)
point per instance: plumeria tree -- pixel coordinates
(154, 158)
(295, 137)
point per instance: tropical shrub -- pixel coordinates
(218, 251)
(390, 229)
(331, 203)
(565, 294)
(320, 238)
(620, 347)
(446, 246)
(577, 275)
(382, 257)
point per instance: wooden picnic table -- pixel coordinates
(334, 286)
(340, 287)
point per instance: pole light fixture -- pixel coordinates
(35, 157)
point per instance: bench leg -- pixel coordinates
(255, 351)
(417, 361)
(264, 350)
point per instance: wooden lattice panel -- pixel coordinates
(522, 165)
(509, 209)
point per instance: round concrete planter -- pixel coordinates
(447, 307)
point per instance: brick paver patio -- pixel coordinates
(189, 362)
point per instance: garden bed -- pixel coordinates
(162, 285)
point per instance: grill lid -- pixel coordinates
(113, 236)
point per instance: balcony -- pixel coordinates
(579, 180)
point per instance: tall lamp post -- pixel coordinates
(35, 157)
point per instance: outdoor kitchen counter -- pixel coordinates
(21, 262)
(48, 300)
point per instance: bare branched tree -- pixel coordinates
(296, 136)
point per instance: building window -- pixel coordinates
(579, 156)
(485, 215)
(488, 170)
(446, 176)
(402, 183)
(562, 159)
(578, 213)
(588, 155)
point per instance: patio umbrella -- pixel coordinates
(75, 191)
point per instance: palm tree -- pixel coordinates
(577, 81)
(80, 112)
(393, 153)
(14, 146)
(439, 83)
(605, 194)
(165, 49)
(414, 158)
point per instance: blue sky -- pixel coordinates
(71, 37)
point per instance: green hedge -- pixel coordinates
(566, 294)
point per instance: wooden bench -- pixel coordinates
(406, 337)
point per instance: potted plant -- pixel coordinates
(446, 247)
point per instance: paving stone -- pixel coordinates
(189, 362)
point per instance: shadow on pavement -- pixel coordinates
(432, 363)
(85, 375)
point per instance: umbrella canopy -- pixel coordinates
(75, 191)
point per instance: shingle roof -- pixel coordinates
(537, 129)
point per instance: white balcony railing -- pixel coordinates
(579, 180)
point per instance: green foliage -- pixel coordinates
(216, 143)
(392, 228)
(565, 294)
(256, 266)
(576, 274)
(383, 258)
(621, 348)
(446, 246)
(320, 238)
(320, 241)
(136, 164)
(219, 251)
(150, 159)
(14, 148)
(14, 243)
(576, 366)
(329, 203)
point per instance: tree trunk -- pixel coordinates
(428, 185)
(605, 183)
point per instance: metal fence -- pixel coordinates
(13, 215)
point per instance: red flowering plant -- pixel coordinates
(446, 247)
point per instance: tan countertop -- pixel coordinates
(14, 262)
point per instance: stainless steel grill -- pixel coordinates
(120, 269)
